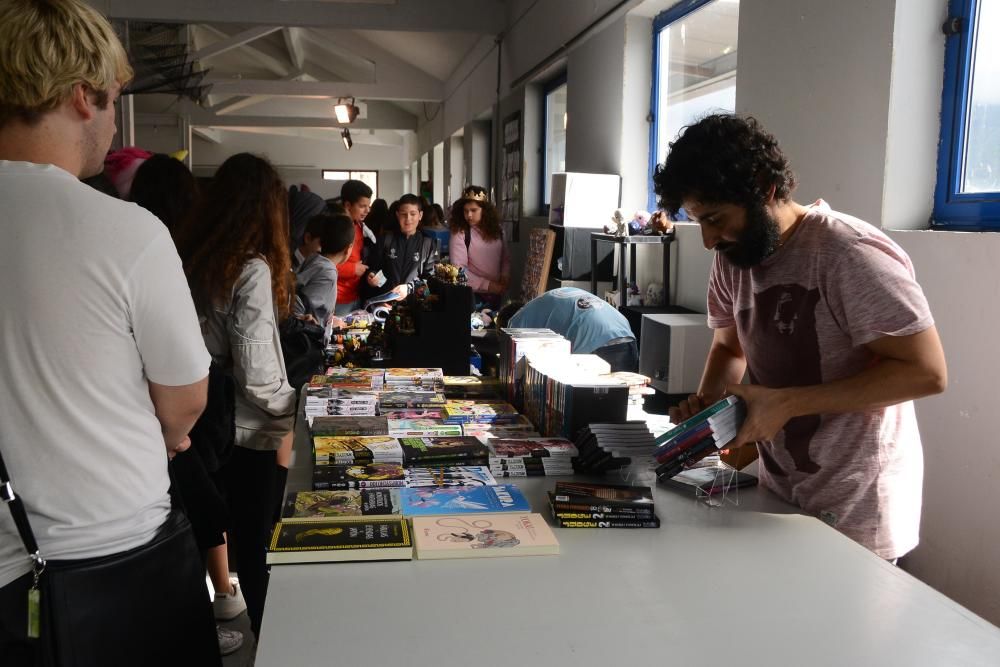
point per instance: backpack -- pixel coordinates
(214, 434)
(302, 346)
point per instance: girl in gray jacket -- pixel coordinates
(237, 262)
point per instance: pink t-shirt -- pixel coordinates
(803, 317)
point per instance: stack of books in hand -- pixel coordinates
(583, 505)
(530, 457)
(703, 434)
(606, 447)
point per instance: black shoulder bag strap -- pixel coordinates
(31, 546)
(17, 511)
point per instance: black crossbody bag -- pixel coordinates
(148, 605)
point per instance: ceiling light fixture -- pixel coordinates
(345, 134)
(345, 110)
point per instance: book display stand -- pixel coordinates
(723, 488)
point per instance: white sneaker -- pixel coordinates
(230, 641)
(228, 607)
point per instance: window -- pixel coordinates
(370, 178)
(554, 135)
(967, 195)
(694, 70)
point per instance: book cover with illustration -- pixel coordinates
(419, 450)
(450, 476)
(422, 427)
(483, 536)
(369, 476)
(431, 501)
(343, 539)
(580, 491)
(411, 413)
(308, 505)
(512, 448)
(357, 448)
(412, 398)
(350, 425)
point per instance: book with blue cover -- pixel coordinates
(430, 501)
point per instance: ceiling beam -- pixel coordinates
(380, 117)
(411, 91)
(293, 42)
(389, 68)
(208, 134)
(238, 102)
(261, 54)
(482, 16)
(230, 42)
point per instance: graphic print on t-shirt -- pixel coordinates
(785, 353)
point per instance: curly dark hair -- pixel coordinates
(489, 226)
(243, 214)
(723, 158)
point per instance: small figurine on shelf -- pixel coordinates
(634, 297)
(654, 294)
(619, 228)
(659, 223)
(639, 222)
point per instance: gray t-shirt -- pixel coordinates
(95, 307)
(317, 277)
(803, 317)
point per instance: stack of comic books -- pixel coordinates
(606, 447)
(585, 505)
(425, 378)
(356, 449)
(479, 411)
(328, 400)
(349, 425)
(410, 397)
(445, 476)
(407, 428)
(444, 451)
(531, 457)
(329, 477)
(703, 434)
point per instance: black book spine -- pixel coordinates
(592, 523)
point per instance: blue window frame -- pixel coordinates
(658, 144)
(967, 195)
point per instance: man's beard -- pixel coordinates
(757, 242)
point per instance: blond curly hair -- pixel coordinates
(49, 46)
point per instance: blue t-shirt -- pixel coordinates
(588, 322)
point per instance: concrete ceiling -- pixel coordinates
(280, 65)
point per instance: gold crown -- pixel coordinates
(475, 196)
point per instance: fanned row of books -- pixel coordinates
(584, 505)
(564, 394)
(514, 345)
(703, 434)
(605, 447)
(396, 524)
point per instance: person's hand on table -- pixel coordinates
(335, 322)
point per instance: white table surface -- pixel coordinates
(712, 586)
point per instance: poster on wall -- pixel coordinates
(510, 174)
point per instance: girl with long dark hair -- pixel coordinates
(477, 243)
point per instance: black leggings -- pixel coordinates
(248, 479)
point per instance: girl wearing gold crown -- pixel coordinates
(477, 244)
